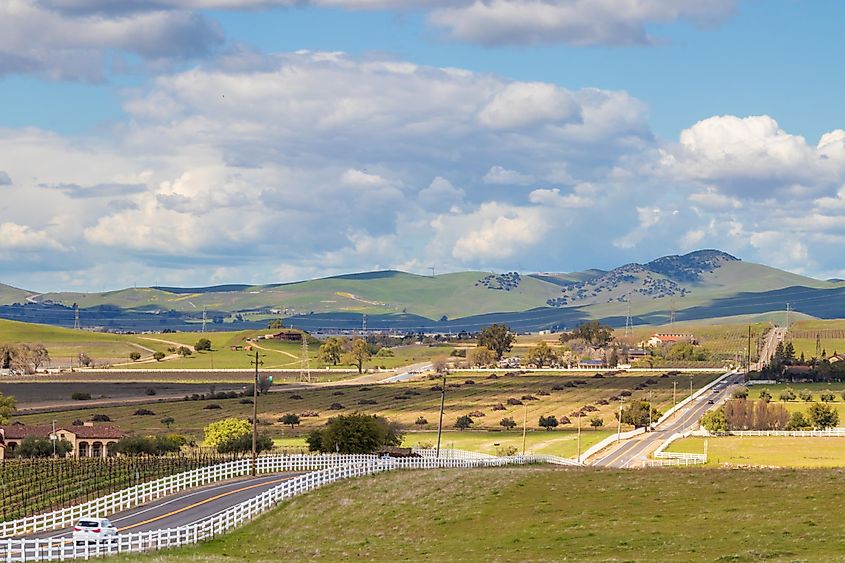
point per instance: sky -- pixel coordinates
(199, 142)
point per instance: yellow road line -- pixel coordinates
(206, 501)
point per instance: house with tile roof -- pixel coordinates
(87, 440)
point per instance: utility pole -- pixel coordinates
(674, 395)
(628, 324)
(256, 363)
(619, 422)
(649, 410)
(690, 385)
(204, 318)
(748, 355)
(787, 317)
(579, 437)
(442, 403)
(524, 427)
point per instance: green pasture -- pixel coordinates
(780, 451)
(547, 514)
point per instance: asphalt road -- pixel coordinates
(186, 507)
(634, 449)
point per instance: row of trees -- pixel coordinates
(742, 414)
(355, 352)
(23, 358)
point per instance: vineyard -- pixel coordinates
(817, 342)
(32, 486)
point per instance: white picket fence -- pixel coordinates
(147, 492)
(662, 457)
(828, 433)
(13, 550)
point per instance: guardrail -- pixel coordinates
(13, 550)
(152, 490)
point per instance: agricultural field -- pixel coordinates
(547, 514)
(831, 335)
(815, 389)
(542, 394)
(779, 451)
(563, 443)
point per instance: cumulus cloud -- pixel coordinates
(500, 175)
(22, 237)
(74, 46)
(5, 180)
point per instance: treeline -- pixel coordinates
(742, 414)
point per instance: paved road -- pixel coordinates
(633, 450)
(188, 506)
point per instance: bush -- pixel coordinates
(499, 407)
(245, 401)
(529, 398)
(184, 351)
(367, 402)
(787, 395)
(508, 423)
(135, 356)
(741, 393)
(159, 356)
(212, 407)
(203, 345)
(168, 421)
(822, 416)
(506, 451)
(42, 447)
(827, 397)
(797, 421)
(150, 391)
(806, 395)
(80, 396)
(548, 422)
(336, 407)
(77, 422)
(463, 422)
(242, 444)
(296, 397)
(100, 418)
(421, 421)
(309, 414)
(143, 412)
(226, 430)
(596, 422)
(514, 402)
(354, 433)
(476, 414)
(149, 445)
(765, 395)
(338, 393)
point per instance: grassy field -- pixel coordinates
(545, 514)
(405, 402)
(798, 405)
(562, 443)
(777, 451)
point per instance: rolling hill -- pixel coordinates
(698, 285)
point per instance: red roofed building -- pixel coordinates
(660, 339)
(86, 441)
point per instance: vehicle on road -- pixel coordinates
(94, 530)
(710, 402)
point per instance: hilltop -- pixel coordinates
(698, 285)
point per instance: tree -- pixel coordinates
(290, 419)
(787, 395)
(741, 393)
(596, 422)
(508, 422)
(637, 414)
(85, 359)
(463, 422)
(421, 421)
(440, 365)
(184, 351)
(8, 406)
(541, 355)
(159, 356)
(203, 345)
(806, 395)
(797, 421)
(276, 324)
(135, 356)
(355, 433)
(789, 352)
(226, 430)
(331, 351)
(168, 421)
(765, 395)
(548, 422)
(613, 359)
(593, 332)
(38, 355)
(498, 338)
(264, 384)
(358, 354)
(243, 444)
(827, 397)
(715, 422)
(822, 416)
(42, 447)
(481, 356)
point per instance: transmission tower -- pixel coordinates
(432, 270)
(76, 323)
(628, 324)
(818, 346)
(672, 314)
(305, 372)
(364, 324)
(204, 319)
(787, 317)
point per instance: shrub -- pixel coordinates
(338, 393)
(463, 422)
(602, 402)
(476, 414)
(77, 422)
(548, 422)
(469, 382)
(514, 402)
(243, 444)
(80, 396)
(309, 414)
(805, 395)
(508, 423)
(797, 421)
(203, 345)
(506, 451)
(557, 388)
(569, 384)
(336, 407)
(168, 421)
(827, 397)
(499, 407)
(765, 395)
(787, 395)
(159, 356)
(421, 421)
(212, 407)
(543, 393)
(296, 397)
(565, 420)
(143, 412)
(625, 393)
(529, 398)
(135, 356)
(367, 402)
(100, 418)
(596, 422)
(245, 401)
(290, 419)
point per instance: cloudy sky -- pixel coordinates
(193, 142)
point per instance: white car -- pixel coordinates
(94, 530)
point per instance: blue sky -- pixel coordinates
(138, 139)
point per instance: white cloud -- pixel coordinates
(524, 104)
(5, 180)
(503, 176)
(21, 237)
(359, 178)
(711, 199)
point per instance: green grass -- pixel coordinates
(831, 335)
(546, 514)
(419, 400)
(780, 451)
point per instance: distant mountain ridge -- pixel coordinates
(695, 284)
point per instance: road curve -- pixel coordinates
(638, 448)
(186, 507)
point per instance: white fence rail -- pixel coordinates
(662, 457)
(596, 448)
(147, 492)
(13, 550)
(828, 433)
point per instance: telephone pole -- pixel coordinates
(748, 356)
(628, 324)
(257, 362)
(579, 438)
(442, 404)
(524, 427)
(305, 372)
(787, 317)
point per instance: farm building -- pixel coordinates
(86, 441)
(285, 336)
(592, 364)
(660, 339)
